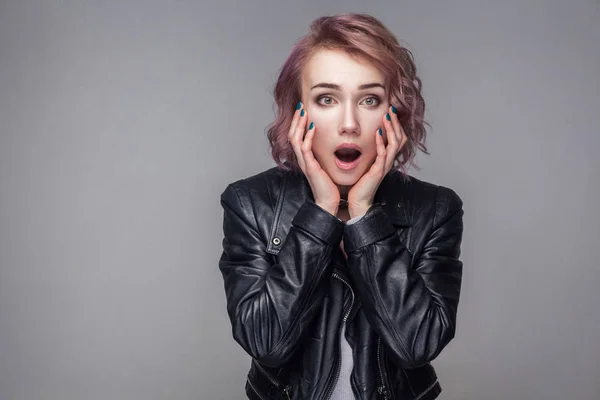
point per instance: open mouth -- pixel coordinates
(347, 155)
(347, 158)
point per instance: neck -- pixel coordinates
(344, 191)
(343, 214)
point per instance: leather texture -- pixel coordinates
(289, 287)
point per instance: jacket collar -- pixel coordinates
(393, 194)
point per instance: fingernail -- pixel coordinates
(380, 132)
(394, 110)
(302, 113)
(387, 116)
(312, 124)
(298, 105)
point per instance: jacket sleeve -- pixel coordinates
(271, 304)
(412, 308)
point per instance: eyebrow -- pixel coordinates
(337, 87)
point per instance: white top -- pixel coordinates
(343, 390)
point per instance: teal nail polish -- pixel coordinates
(302, 113)
(312, 124)
(394, 110)
(387, 116)
(380, 132)
(298, 105)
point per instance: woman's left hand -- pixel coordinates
(362, 194)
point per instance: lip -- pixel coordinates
(347, 165)
(348, 146)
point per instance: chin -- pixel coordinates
(345, 181)
(345, 178)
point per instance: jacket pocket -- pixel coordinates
(266, 385)
(421, 381)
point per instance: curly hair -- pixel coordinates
(364, 37)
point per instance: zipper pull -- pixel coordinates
(384, 392)
(286, 390)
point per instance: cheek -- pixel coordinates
(369, 125)
(319, 142)
(324, 121)
(324, 127)
(371, 122)
(370, 152)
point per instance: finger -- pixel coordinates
(390, 129)
(393, 112)
(393, 143)
(295, 119)
(379, 167)
(296, 139)
(401, 134)
(309, 157)
(402, 138)
(298, 134)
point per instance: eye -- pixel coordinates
(372, 101)
(325, 100)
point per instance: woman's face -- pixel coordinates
(346, 99)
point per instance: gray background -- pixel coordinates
(122, 121)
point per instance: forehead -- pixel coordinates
(338, 67)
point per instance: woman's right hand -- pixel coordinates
(325, 191)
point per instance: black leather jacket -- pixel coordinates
(289, 287)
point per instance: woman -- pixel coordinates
(342, 272)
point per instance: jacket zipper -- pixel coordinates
(341, 332)
(284, 388)
(382, 390)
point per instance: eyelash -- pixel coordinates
(376, 98)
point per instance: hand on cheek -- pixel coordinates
(361, 196)
(384, 135)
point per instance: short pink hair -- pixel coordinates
(364, 37)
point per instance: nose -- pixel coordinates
(349, 123)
